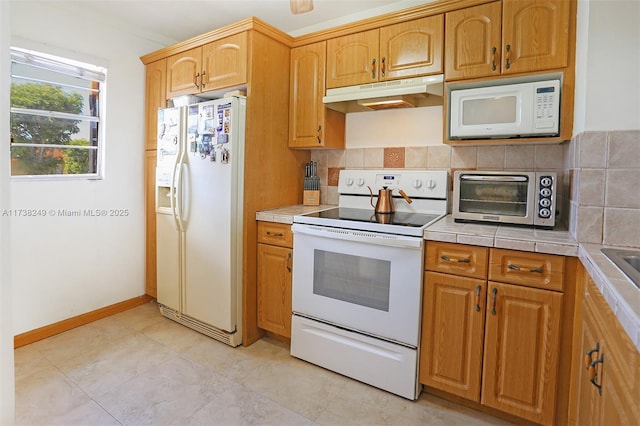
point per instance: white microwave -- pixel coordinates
(505, 111)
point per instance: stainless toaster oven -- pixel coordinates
(520, 198)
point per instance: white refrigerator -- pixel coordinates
(199, 196)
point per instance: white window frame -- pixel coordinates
(76, 69)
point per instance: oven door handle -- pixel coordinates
(359, 236)
(501, 178)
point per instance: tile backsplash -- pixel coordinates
(603, 170)
(436, 157)
(598, 176)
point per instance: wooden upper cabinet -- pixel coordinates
(535, 35)
(521, 350)
(225, 62)
(508, 37)
(407, 49)
(352, 59)
(183, 73)
(311, 124)
(156, 84)
(216, 65)
(411, 48)
(472, 42)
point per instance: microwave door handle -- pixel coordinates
(495, 178)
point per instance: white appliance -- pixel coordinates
(199, 193)
(524, 109)
(357, 278)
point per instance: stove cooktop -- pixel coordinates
(400, 223)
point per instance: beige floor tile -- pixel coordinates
(139, 368)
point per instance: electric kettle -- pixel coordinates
(384, 205)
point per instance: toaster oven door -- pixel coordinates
(494, 198)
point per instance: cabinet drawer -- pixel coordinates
(529, 269)
(457, 259)
(278, 234)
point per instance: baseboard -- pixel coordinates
(66, 325)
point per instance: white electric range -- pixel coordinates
(357, 278)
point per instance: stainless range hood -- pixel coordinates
(406, 93)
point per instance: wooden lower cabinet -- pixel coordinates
(490, 342)
(275, 264)
(607, 367)
(521, 351)
(453, 334)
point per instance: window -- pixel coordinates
(56, 110)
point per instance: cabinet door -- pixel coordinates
(353, 59)
(472, 42)
(224, 62)
(411, 48)
(306, 110)
(535, 35)
(522, 336)
(274, 289)
(452, 334)
(183, 73)
(155, 97)
(588, 409)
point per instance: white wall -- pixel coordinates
(7, 381)
(66, 266)
(394, 127)
(607, 66)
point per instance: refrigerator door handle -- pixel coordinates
(179, 197)
(172, 194)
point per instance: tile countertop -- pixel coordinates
(623, 297)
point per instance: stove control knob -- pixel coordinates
(360, 182)
(431, 184)
(417, 183)
(349, 181)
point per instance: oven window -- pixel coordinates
(494, 197)
(353, 279)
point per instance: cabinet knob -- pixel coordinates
(478, 292)
(202, 83)
(289, 262)
(383, 67)
(195, 80)
(373, 69)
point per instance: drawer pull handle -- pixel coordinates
(517, 268)
(448, 259)
(588, 356)
(494, 296)
(275, 234)
(478, 292)
(593, 373)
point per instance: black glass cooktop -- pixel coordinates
(415, 220)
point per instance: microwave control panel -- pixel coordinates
(546, 104)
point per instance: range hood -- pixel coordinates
(409, 92)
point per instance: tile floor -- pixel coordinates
(139, 368)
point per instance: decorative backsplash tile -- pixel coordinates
(394, 158)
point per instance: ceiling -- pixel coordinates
(171, 21)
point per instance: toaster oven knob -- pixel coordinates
(545, 202)
(545, 181)
(545, 213)
(545, 192)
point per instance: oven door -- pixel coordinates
(364, 281)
